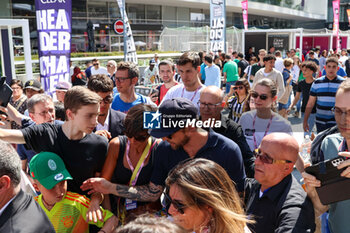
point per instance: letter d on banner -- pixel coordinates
(53, 20)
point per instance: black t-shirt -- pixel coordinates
(122, 174)
(304, 88)
(83, 158)
(242, 64)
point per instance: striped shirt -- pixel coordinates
(236, 108)
(324, 90)
(69, 214)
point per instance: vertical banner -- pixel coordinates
(245, 13)
(217, 26)
(129, 44)
(336, 5)
(348, 12)
(53, 20)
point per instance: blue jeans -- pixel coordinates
(228, 86)
(310, 121)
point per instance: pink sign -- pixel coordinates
(245, 13)
(336, 5)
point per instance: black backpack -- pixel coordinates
(316, 153)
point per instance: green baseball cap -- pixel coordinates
(49, 169)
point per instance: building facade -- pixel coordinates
(149, 18)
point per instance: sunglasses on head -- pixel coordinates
(255, 95)
(167, 201)
(267, 159)
(238, 87)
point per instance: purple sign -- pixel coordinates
(53, 18)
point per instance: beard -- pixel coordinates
(183, 142)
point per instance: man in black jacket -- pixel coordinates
(110, 122)
(211, 105)
(19, 212)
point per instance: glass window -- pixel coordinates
(136, 12)
(153, 13)
(97, 10)
(114, 11)
(79, 8)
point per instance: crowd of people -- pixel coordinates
(93, 166)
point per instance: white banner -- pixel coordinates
(130, 49)
(217, 25)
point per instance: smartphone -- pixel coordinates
(155, 92)
(5, 92)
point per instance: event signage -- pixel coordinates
(336, 6)
(118, 27)
(53, 20)
(129, 44)
(217, 25)
(245, 13)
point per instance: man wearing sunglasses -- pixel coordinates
(275, 199)
(97, 69)
(110, 123)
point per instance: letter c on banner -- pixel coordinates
(47, 1)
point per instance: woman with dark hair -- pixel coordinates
(263, 120)
(202, 198)
(130, 160)
(236, 99)
(18, 99)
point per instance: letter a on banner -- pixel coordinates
(129, 44)
(217, 26)
(53, 20)
(245, 13)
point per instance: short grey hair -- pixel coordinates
(10, 164)
(38, 98)
(114, 63)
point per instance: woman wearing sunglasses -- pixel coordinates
(263, 120)
(236, 103)
(201, 198)
(130, 161)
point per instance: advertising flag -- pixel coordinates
(130, 49)
(217, 26)
(53, 20)
(245, 13)
(336, 5)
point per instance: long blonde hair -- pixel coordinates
(205, 183)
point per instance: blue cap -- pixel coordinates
(175, 110)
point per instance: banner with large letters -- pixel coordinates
(217, 25)
(130, 49)
(245, 13)
(53, 19)
(336, 6)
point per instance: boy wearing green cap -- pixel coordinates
(66, 210)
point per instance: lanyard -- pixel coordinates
(195, 93)
(267, 129)
(343, 146)
(140, 164)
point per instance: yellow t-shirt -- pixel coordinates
(69, 215)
